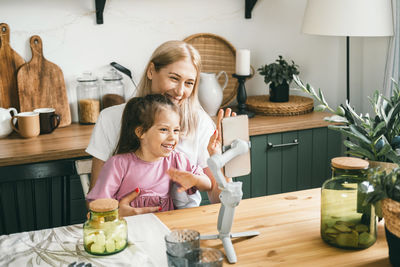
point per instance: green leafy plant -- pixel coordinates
(383, 185)
(375, 138)
(279, 72)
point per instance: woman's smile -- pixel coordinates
(176, 80)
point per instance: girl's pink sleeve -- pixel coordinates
(109, 180)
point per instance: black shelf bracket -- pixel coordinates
(99, 10)
(249, 4)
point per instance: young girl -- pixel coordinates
(145, 159)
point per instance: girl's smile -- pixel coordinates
(161, 139)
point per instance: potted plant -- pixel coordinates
(385, 187)
(374, 138)
(279, 75)
(377, 139)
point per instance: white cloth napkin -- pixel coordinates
(64, 245)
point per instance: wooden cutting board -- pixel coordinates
(10, 62)
(41, 84)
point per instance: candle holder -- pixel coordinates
(242, 96)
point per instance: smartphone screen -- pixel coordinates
(236, 128)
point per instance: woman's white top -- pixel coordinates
(106, 133)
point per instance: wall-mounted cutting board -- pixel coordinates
(41, 84)
(10, 62)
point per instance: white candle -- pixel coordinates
(243, 62)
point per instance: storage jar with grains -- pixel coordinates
(88, 98)
(104, 233)
(346, 221)
(112, 89)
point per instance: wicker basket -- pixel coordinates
(296, 105)
(391, 213)
(217, 54)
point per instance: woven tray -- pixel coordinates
(217, 54)
(297, 105)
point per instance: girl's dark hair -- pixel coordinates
(140, 112)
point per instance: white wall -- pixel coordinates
(134, 28)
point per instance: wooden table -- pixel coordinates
(289, 226)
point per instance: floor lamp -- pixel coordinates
(361, 18)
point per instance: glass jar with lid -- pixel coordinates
(88, 98)
(104, 233)
(112, 89)
(346, 221)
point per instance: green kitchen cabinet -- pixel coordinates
(40, 195)
(289, 161)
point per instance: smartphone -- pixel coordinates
(234, 128)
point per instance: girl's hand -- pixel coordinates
(185, 179)
(125, 208)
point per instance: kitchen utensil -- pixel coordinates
(112, 90)
(217, 54)
(10, 61)
(41, 84)
(28, 124)
(181, 241)
(88, 98)
(205, 257)
(124, 71)
(49, 121)
(5, 116)
(211, 92)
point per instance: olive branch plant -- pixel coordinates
(374, 138)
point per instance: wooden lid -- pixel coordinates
(349, 163)
(103, 205)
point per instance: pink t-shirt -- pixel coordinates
(123, 173)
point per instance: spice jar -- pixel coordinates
(112, 89)
(88, 98)
(104, 233)
(346, 221)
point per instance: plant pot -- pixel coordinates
(391, 213)
(279, 93)
(394, 247)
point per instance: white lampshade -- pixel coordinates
(348, 18)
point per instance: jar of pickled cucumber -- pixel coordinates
(104, 233)
(346, 221)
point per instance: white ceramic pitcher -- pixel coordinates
(211, 92)
(5, 117)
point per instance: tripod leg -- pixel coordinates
(229, 250)
(208, 237)
(245, 234)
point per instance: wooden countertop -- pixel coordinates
(71, 141)
(289, 226)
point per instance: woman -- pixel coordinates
(173, 70)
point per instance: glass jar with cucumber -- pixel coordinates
(104, 233)
(346, 220)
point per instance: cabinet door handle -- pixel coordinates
(295, 143)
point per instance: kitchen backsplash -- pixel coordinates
(133, 29)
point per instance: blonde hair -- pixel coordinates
(166, 54)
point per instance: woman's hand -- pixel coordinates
(215, 143)
(125, 208)
(187, 180)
